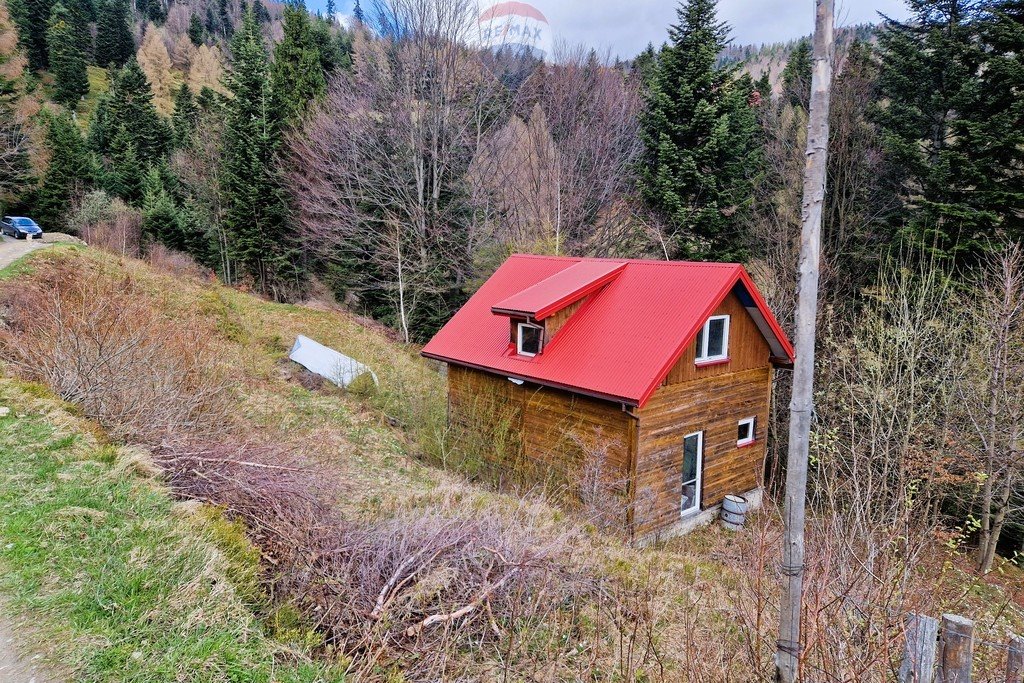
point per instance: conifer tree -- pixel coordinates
(128, 108)
(224, 15)
(260, 10)
(358, 14)
(297, 77)
(255, 210)
(700, 140)
(185, 117)
(332, 10)
(160, 219)
(126, 174)
(796, 77)
(32, 17)
(114, 42)
(196, 32)
(69, 173)
(67, 58)
(930, 83)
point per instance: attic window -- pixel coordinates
(713, 340)
(745, 432)
(529, 339)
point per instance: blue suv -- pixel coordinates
(20, 228)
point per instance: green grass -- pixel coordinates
(25, 264)
(99, 83)
(120, 582)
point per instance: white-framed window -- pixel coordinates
(746, 431)
(529, 339)
(692, 472)
(713, 340)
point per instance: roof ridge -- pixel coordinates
(632, 261)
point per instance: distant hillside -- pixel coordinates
(772, 57)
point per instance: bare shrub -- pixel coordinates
(108, 224)
(438, 591)
(99, 342)
(174, 262)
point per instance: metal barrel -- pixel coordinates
(734, 512)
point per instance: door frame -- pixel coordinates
(699, 481)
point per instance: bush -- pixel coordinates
(175, 262)
(108, 223)
(100, 343)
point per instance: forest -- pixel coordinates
(390, 166)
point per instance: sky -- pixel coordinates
(625, 27)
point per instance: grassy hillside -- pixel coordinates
(120, 582)
(120, 577)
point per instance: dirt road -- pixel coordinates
(11, 250)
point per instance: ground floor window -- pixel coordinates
(693, 456)
(745, 431)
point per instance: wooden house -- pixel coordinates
(665, 368)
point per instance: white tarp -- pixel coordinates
(328, 363)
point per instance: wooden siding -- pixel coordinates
(713, 405)
(555, 322)
(747, 347)
(535, 433)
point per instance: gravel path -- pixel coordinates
(11, 250)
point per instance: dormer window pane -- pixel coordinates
(530, 339)
(713, 340)
(716, 337)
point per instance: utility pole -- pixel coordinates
(787, 657)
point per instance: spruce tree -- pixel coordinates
(297, 76)
(114, 42)
(796, 77)
(160, 219)
(32, 17)
(358, 13)
(195, 30)
(226, 26)
(128, 108)
(260, 10)
(69, 173)
(185, 117)
(67, 59)
(332, 11)
(255, 210)
(931, 88)
(127, 173)
(700, 140)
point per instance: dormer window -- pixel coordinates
(529, 339)
(713, 341)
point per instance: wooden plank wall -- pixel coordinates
(713, 405)
(534, 434)
(747, 347)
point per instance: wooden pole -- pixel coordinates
(787, 657)
(1015, 661)
(957, 649)
(919, 651)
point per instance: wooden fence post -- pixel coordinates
(919, 651)
(1015, 660)
(957, 649)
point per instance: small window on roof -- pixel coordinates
(713, 340)
(529, 339)
(746, 431)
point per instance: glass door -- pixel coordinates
(693, 457)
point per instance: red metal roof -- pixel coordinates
(562, 289)
(622, 341)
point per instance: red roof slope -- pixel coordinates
(621, 343)
(562, 289)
